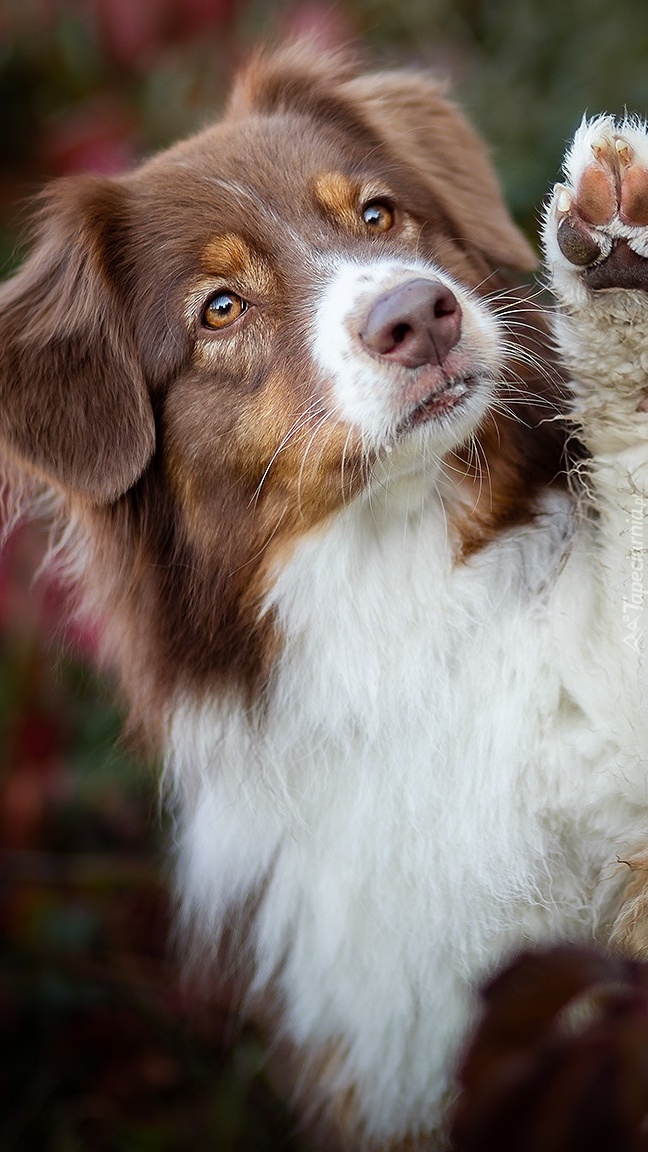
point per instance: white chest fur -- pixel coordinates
(423, 794)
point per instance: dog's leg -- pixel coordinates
(596, 242)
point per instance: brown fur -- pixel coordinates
(510, 468)
(169, 454)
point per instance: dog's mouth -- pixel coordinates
(437, 404)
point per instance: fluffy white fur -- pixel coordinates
(454, 756)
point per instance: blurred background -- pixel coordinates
(102, 1045)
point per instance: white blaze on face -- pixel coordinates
(375, 394)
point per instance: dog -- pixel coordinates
(370, 569)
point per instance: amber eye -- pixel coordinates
(223, 309)
(378, 216)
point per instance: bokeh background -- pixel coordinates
(103, 1046)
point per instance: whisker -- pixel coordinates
(301, 422)
(343, 466)
(485, 280)
(481, 455)
(309, 445)
(328, 415)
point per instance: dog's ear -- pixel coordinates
(73, 402)
(298, 75)
(412, 114)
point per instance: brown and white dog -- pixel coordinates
(310, 467)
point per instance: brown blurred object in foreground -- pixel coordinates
(560, 1060)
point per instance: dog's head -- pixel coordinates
(238, 329)
(239, 268)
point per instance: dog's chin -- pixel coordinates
(433, 430)
(448, 415)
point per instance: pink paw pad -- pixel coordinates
(597, 192)
(633, 208)
(611, 190)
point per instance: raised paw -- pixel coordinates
(597, 223)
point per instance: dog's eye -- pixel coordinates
(223, 309)
(378, 216)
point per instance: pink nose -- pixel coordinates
(414, 324)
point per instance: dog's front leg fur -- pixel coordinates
(596, 243)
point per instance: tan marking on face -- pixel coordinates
(280, 470)
(307, 455)
(338, 196)
(230, 257)
(343, 199)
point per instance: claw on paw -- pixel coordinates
(624, 151)
(564, 198)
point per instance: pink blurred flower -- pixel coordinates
(22, 809)
(38, 741)
(20, 599)
(324, 25)
(82, 635)
(192, 16)
(133, 32)
(30, 608)
(97, 136)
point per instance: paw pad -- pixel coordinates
(576, 243)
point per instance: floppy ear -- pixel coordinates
(73, 401)
(413, 115)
